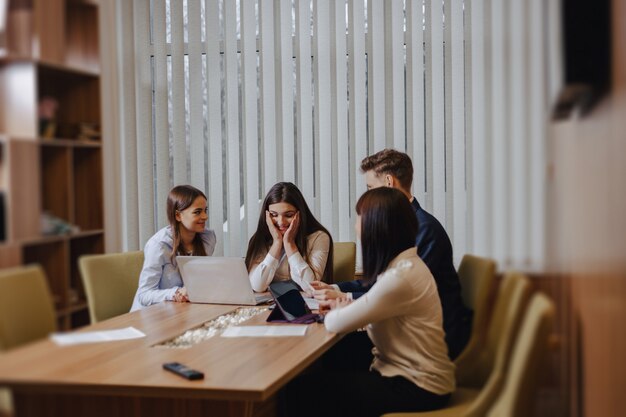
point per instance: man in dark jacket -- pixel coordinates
(390, 168)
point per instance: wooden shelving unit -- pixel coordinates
(51, 52)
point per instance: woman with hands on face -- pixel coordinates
(289, 243)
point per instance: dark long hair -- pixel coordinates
(179, 198)
(261, 240)
(388, 227)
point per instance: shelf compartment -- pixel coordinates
(56, 176)
(53, 257)
(79, 317)
(73, 316)
(88, 213)
(78, 97)
(80, 246)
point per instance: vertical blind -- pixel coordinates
(233, 96)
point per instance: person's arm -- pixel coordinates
(355, 288)
(302, 273)
(352, 286)
(262, 274)
(148, 291)
(387, 298)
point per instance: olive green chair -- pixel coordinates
(478, 285)
(26, 308)
(344, 261)
(531, 345)
(26, 313)
(516, 380)
(110, 282)
(484, 368)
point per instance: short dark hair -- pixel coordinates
(388, 227)
(390, 161)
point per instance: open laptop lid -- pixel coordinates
(216, 280)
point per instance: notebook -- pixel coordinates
(218, 280)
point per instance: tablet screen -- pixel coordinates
(292, 304)
(279, 288)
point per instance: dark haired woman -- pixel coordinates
(185, 235)
(411, 370)
(289, 242)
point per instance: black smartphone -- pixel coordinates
(181, 370)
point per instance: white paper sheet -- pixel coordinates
(265, 331)
(75, 338)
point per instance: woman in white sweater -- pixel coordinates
(411, 370)
(289, 243)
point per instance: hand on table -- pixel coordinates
(180, 296)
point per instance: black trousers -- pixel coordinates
(343, 386)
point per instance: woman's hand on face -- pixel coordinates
(289, 238)
(276, 235)
(180, 296)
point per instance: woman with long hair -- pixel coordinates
(185, 235)
(402, 313)
(289, 242)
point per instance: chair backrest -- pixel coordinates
(531, 344)
(344, 261)
(486, 369)
(477, 277)
(26, 308)
(110, 282)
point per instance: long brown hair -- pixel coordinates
(179, 198)
(261, 240)
(388, 227)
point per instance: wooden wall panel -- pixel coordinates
(10, 255)
(49, 22)
(587, 239)
(17, 86)
(24, 202)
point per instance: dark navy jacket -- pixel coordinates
(435, 249)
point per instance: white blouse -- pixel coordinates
(293, 267)
(403, 316)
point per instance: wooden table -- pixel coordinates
(125, 378)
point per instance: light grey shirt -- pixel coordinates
(159, 278)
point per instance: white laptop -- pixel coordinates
(218, 280)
